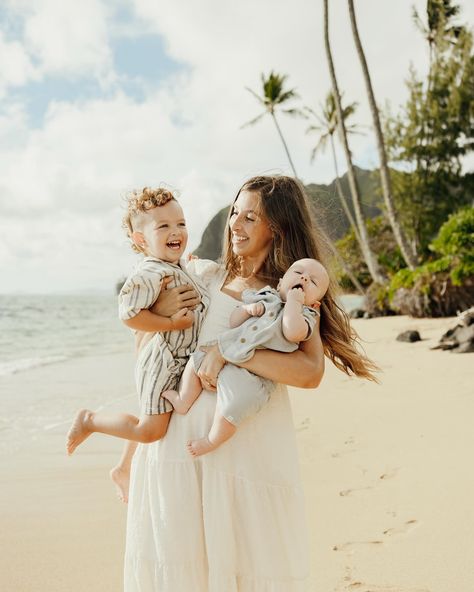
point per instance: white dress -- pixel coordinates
(229, 521)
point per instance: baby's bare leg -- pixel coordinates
(146, 429)
(120, 474)
(189, 390)
(221, 430)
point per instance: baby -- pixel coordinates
(156, 226)
(273, 319)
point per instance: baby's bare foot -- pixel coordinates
(121, 478)
(199, 447)
(178, 404)
(78, 431)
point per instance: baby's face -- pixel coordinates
(163, 233)
(308, 275)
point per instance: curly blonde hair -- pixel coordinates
(139, 202)
(296, 235)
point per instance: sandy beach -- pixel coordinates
(387, 473)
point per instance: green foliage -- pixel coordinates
(434, 131)
(382, 243)
(456, 236)
(455, 244)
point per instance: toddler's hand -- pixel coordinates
(295, 295)
(183, 319)
(256, 309)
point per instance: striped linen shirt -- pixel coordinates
(162, 359)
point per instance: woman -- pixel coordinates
(233, 520)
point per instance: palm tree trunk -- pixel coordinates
(284, 144)
(345, 266)
(369, 257)
(342, 197)
(348, 271)
(400, 237)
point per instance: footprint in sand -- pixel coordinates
(347, 492)
(390, 474)
(408, 526)
(347, 450)
(304, 425)
(350, 544)
(362, 587)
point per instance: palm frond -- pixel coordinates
(253, 121)
(258, 97)
(295, 113)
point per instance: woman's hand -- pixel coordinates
(210, 367)
(170, 301)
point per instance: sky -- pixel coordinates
(101, 97)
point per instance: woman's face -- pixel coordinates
(251, 234)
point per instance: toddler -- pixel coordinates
(156, 226)
(268, 318)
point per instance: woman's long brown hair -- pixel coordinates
(296, 235)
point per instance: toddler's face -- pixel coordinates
(308, 275)
(163, 233)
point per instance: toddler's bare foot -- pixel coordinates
(178, 404)
(121, 478)
(199, 447)
(78, 431)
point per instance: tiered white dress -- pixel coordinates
(229, 521)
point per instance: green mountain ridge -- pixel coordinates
(326, 206)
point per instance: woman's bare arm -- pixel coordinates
(303, 368)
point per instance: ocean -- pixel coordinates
(46, 329)
(59, 353)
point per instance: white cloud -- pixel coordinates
(65, 38)
(15, 64)
(61, 184)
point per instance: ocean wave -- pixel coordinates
(14, 366)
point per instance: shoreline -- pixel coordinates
(384, 468)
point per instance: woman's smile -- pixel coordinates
(251, 234)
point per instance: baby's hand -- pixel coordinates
(256, 309)
(295, 295)
(183, 319)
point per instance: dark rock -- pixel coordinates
(357, 313)
(409, 336)
(459, 339)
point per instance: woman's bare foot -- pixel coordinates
(199, 447)
(179, 405)
(121, 478)
(79, 431)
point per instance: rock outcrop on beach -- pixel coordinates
(409, 336)
(460, 339)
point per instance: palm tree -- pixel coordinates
(369, 257)
(402, 241)
(439, 14)
(326, 127)
(273, 96)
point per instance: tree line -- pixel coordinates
(424, 185)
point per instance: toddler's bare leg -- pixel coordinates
(189, 390)
(146, 429)
(120, 474)
(221, 430)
